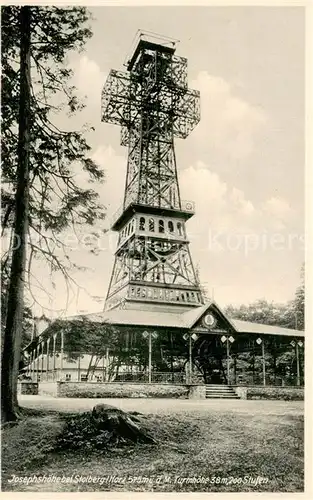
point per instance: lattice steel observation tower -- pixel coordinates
(152, 103)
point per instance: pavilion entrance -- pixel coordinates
(210, 358)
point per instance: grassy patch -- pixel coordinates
(211, 451)
(28, 443)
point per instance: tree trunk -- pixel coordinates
(14, 316)
(172, 360)
(89, 366)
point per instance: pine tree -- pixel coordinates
(49, 200)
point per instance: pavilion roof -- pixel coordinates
(259, 328)
(132, 317)
(184, 320)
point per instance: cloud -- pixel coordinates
(278, 207)
(89, 80)
(111, 192)
(242, 247)
(222, 207)
(228, 123)
(243, 206)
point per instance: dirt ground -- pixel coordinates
(145, 405)
(206, 446)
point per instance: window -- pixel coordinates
(170, 226)
(83, 377)
(151, 225)
(161, 226)
(142, 223)
(179, 228)
(68, 377)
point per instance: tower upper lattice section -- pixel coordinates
(154, 84)
(152, 103)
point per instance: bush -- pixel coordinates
(286, 394)
(116, 390)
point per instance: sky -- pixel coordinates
(243, 164)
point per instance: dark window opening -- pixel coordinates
(142, 224)
(179, 228)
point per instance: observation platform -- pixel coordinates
(151, 41)
(123, 214)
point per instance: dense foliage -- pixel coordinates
(127, 346)
(288, 315)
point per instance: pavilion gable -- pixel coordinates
(208, 318)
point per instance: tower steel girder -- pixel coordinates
(153, 104)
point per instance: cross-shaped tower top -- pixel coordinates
(152, 103)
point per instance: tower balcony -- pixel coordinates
(123, 214)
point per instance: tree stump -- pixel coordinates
(119, 424)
